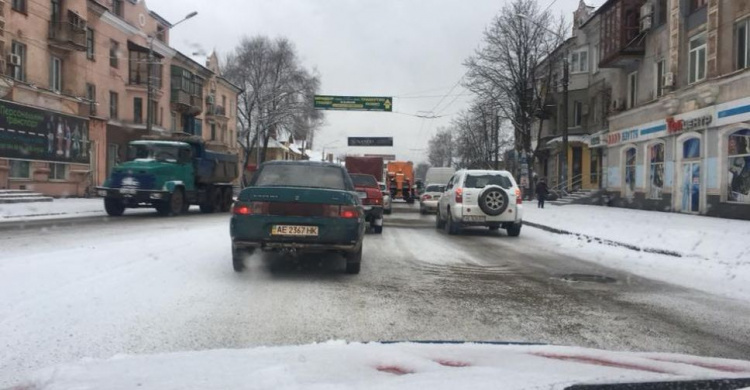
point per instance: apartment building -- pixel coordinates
(75, 90)
(679, 138)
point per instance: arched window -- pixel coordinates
(738, 153)
(691, 175)
(631, 156)
(691, 148)
(656, 170)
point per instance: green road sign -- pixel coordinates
(353, 103)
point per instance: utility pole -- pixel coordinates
(150, 85)
(497, 141)
(564, 120)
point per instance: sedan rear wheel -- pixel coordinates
(354, 261)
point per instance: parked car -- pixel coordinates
(428, 202)
(299, 206)
(481, 198)
(387, 203)
(371, 195)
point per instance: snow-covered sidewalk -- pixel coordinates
(59, 208)
(711, 254)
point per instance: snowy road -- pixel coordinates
(144, 284)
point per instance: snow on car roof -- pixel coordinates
(164, 143)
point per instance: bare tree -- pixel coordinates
(278, 95)
(504, 71)
(440, 148)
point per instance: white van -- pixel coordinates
(438, 175)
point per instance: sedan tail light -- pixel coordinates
(519, 199)
(349, 212)
(459, 195)
(426, 197)
(253, 208)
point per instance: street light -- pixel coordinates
(150, 71)
(564, 116)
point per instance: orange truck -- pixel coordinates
(401, 180)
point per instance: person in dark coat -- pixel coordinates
(541, 192)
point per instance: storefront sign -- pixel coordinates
(679, 125)
(34, 134)
(370, 141)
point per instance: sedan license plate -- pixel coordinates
(362, 195)
(289, 230)
(128, 191)
(474, 218)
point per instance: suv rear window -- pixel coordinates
(290, 175)
(435, 188)
(481, 181)
(364, 181)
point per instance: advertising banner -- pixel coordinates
(34, 134)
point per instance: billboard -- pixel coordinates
(34, 134)
(370, 141)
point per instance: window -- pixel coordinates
(741, 40)
(117, 7)
(662, 10)
(138, 67)
(19, 5)
(113, 103)
(174, 122)
(224, 102)
(213, 131)
(595, 58)
(55, 74)
(697, 4)
(56, 11)
(630, 161)
(738, 177)
(632, 89)
(90, 43)
(137, 110)
(91, 97)
(161, 33)
(20, 169)
(18, 70)
(114, 49)
(697, 70)
(660, 66)
(577, 113)
(579, 61)
(656, 170)
(154, 112)
(58, 171)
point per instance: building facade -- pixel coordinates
(75, 90)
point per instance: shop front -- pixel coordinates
(43, 150)
(697, 162)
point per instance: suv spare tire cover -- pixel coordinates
(493, 200)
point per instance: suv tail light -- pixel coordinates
(253, 208)
(519, 199)
(459, 195)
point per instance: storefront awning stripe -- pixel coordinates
(734, 111)
(654, 129)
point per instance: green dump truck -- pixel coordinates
(170, 174)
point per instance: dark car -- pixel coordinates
(371, 195)
(299, 207)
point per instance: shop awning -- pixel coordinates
(586, 139)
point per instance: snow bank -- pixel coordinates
(58, 208)
(338, 365)
(713, 253)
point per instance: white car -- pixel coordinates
(428, 202)
(387, 207)
(481, 198)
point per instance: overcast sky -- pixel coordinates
(410, 49)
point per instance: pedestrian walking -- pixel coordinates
(541, 192)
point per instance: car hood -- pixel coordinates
(408, 365)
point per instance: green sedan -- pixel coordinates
(298, 207)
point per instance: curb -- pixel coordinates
(603, 240)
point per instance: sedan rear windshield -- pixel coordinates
(481, 181)
(301, 176)
(364, 181)
(435, 188)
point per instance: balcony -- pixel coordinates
(186, 103)
(621, 41)
(67, 36)
(213, 110)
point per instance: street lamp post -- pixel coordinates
(149, 79)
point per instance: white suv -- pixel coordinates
(481, 198)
